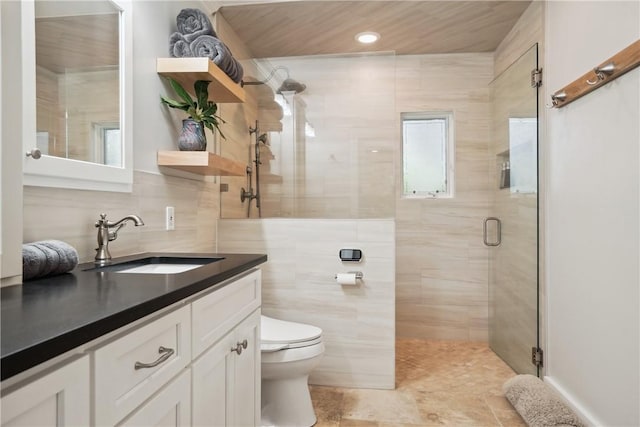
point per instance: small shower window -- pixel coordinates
(427, 155)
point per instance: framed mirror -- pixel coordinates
(78, 56)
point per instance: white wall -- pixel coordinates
(592, 232)
(11, 134)
(156, 127)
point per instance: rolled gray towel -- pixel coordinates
(47, 258)
(537, 404)
(193, 23)
(179, 46)
(219, 53)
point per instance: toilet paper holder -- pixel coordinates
(358, 274)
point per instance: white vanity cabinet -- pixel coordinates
(198, 364)
(59, 398)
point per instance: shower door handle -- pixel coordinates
(498, 231)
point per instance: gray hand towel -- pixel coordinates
(219, 53)
(179, 46)
(193, 23)
(47, 258)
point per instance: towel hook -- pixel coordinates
(602, 73)
(557, 98)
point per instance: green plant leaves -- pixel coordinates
(179, 90)
(200, 87)
(201, 110)
(175, 104)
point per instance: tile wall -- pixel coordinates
(358, 322)
(70, 215)
(441, 262)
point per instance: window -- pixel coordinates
(427, 155)
(108, 144)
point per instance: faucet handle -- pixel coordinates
(102, 220)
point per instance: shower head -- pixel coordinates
(291, 85)
(288, 85)
(264, 138)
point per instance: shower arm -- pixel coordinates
(269, 77)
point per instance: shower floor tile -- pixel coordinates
(438, 383)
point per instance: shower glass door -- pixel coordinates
(511, 231)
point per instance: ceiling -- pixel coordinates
(299, 28)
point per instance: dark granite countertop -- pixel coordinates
(44, 318)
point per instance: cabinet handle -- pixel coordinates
(240, 346)
(165, 354)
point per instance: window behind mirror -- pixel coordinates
(427, 154)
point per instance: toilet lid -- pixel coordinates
(274, 331)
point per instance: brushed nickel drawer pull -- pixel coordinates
(165, 354)
(240, 346)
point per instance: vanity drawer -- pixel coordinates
(215, 314)
(130, 369)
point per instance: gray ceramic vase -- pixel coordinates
(192, 137)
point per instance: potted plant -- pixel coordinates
(201, 111)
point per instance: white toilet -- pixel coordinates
(290, 351)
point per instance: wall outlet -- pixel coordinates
(170, 218)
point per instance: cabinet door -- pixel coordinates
(209, 382)
(60, 398)
(245, 386)
(170, 407)
(226, 379)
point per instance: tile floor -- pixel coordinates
(438, 383)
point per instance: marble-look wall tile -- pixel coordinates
(440, 259)
(358, 322)
(72, 214)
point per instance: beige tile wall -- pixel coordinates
(354, 104)
(70, 215)
(298, 285)
(349, 101)
(441, 261)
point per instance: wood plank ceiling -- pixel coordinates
(298, 28)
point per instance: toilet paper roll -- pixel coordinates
(346, 278)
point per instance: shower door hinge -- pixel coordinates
(536, 77)
(537, 356)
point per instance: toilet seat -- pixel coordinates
(279, 335)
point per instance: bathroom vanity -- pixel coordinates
(110, 345)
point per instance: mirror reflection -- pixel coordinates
(78, 81)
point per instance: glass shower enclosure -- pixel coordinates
(511, 232)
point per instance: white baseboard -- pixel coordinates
(584, 414)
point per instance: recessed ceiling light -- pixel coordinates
(368, 37)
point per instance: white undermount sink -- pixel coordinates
(160, 268)
(157, 265)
